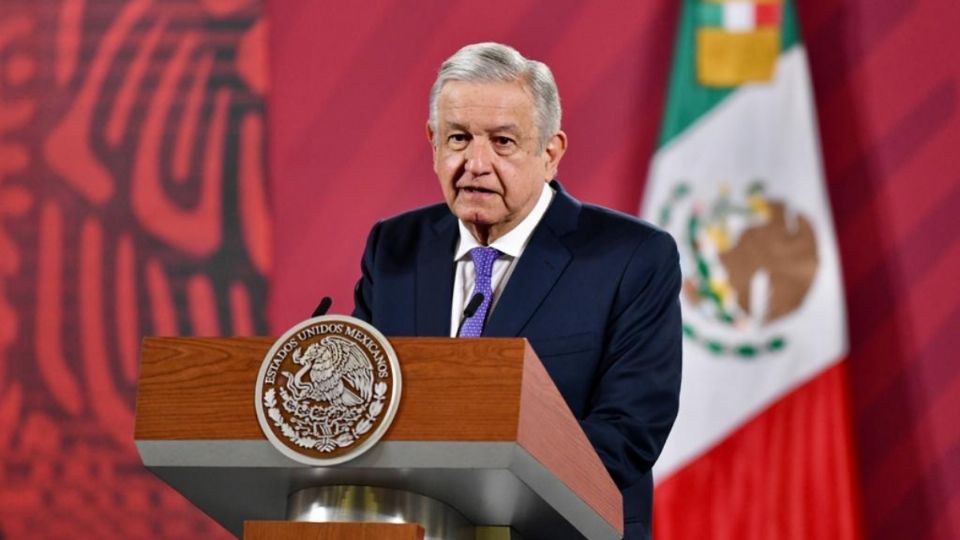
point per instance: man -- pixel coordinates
(512, 254)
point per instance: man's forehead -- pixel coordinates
(491, 94)
(494, 104)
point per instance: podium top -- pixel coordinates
(467, 404)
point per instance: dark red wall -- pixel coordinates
(887, 76)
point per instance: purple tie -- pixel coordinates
(483, 258)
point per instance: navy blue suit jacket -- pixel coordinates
(596, 294)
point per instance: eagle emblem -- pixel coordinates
(749, 261)
(334, 371)
(328, 390)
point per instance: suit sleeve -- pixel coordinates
(634, 401)
(364, 289)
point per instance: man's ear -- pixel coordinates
(554, 151)
(430, 135)
(433, 146)
(432, 139)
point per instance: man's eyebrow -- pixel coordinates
(510, 128)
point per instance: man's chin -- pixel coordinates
(476, 219)
(481, 217)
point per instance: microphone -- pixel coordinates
(472, 306)
(323, 307)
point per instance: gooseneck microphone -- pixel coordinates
(472, 306)
(325, 304)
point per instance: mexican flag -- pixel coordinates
(761, 447)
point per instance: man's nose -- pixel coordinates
(479, 156)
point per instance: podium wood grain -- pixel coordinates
(545, 422)
(471, 393)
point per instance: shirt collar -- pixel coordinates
(514, 242)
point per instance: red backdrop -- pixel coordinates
(886, 79)
(347, 148)
(132, 202)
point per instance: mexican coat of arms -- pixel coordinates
(328, 390)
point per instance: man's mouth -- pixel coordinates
(475, 189)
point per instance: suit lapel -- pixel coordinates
(434, 279)
(538, 269)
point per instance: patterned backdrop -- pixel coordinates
(132, 203)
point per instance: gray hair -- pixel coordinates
(494, 62)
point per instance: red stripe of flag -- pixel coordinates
(788, 473)
(768, 14)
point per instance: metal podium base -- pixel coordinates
(381, 505)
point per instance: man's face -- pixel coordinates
(487, 157)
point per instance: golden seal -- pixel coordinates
(328, 389)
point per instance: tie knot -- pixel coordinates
(483, 258)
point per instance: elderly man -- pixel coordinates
(512, 254)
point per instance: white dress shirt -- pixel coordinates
(511, 245)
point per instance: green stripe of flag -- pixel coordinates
(710, 14)
(687, 100)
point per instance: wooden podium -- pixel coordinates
(481, 428)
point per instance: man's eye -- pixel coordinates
(504, 141)
(457, 140)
